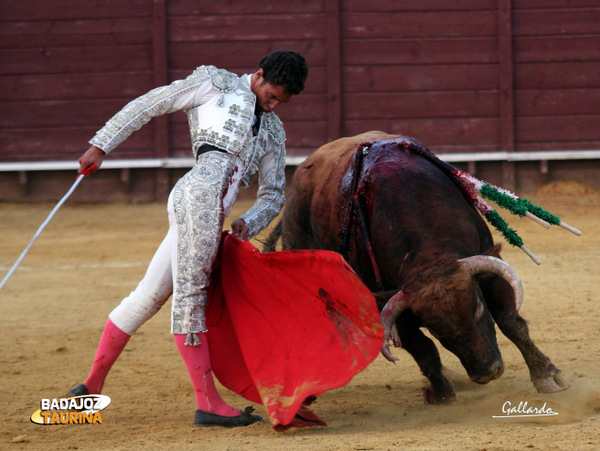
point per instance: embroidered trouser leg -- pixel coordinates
(157, 285)
(202, 199)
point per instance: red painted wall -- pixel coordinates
(444, 71)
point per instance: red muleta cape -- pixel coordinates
(286, 326)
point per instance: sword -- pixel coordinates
(39, 231)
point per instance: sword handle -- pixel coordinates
(89, 169)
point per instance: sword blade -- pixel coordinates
(44, 224)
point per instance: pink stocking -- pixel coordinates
(197, 361)
(111, 345)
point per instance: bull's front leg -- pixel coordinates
(545, 376)
(425, 353)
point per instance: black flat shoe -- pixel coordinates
(80, 390)
(203, 419)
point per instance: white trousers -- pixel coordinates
(197, 208)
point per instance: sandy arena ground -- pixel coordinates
(53, 309)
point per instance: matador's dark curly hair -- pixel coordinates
(285, 68)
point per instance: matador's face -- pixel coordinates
(268, 96)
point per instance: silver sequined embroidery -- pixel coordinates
(198, 201)
(225, 121)
(199, 226)
(222, 79)
(138, 112)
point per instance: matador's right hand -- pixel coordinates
(94, 155)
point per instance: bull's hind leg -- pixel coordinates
(425, 353)
(545, 376)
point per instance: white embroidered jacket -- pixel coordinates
(220, 110)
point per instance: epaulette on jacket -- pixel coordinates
(222, 79)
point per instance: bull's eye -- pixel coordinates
(478, 310)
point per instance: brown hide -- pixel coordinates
(312, 221)
(411, 207)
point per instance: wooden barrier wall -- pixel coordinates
(459, 75)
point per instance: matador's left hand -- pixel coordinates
(240, 229)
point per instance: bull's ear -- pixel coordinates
(382, 297)
(495, 250)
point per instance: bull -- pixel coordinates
(417, 241)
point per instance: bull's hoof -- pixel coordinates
(551, 384)
(431, 397)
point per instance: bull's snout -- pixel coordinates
(494, 372)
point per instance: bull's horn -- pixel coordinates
(486, 263)
(392, 309)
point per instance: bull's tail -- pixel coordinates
(270, 244)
